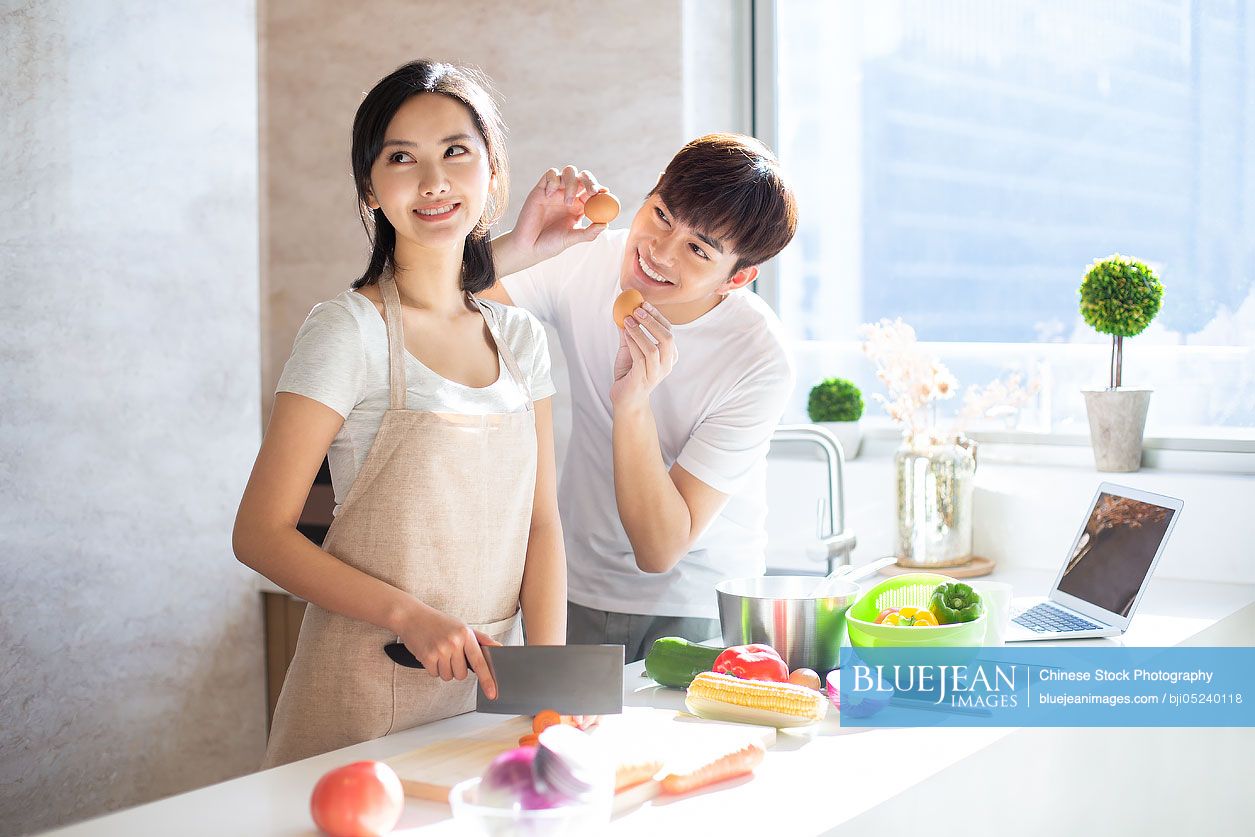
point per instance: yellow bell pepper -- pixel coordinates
(925, 618)
(908, 616)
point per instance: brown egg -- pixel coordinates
(805, 677)
(627, 302)
(601, 208)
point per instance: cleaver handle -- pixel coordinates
(401, 655)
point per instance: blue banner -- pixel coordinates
(1047, 686)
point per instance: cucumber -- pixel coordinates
(674, 661)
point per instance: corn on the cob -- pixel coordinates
(722, 697)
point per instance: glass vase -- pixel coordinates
(935, 503)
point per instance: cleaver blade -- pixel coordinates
(569, 679)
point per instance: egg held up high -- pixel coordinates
(601, 208)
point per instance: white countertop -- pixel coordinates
(820, 781)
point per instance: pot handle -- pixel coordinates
(849, 572)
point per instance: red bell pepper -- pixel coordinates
(752, 662)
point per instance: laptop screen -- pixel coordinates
(1115, 551)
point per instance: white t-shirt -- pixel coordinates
(715, 413)
(340, 358)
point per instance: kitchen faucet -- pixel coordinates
(831, 531)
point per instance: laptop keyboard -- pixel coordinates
(1043, 618)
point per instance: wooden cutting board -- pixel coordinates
(430, 772)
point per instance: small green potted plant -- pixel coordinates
(1120, 296)
(837, 405)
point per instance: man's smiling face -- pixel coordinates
(675, 266)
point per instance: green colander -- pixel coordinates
(910, 590)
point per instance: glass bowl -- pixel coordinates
(585, 819)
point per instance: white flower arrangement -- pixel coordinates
(916, 381)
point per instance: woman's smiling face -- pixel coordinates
(671, 263)
(432, 176)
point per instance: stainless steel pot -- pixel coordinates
(801, 616)
(778, 610)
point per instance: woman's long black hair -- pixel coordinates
(471, 88)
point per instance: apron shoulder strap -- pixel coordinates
(396, 343)
(511, 364)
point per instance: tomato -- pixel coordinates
(363, 799)
(752, 662)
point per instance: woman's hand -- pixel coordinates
(446, 647)
(547, 222)
(642, 363)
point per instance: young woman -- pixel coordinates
(433, 410)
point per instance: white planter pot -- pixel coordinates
(1117, 419)
(848, 433)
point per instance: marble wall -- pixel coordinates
(130, 638)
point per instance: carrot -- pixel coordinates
(727, 766)
(529, 740)
(631, 773)
(545, 719)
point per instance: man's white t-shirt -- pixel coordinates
(715, 413)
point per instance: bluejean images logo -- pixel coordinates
(1033, 685)
(962, 686)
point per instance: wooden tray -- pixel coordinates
(974, 568)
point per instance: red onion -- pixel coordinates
(509, 782)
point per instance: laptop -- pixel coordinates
(1103, 579)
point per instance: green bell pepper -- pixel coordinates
(955, 602)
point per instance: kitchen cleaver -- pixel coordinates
(569, 679)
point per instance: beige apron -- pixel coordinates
(441, 509)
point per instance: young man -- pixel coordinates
(663, 490)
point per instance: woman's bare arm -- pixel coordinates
(266, 539)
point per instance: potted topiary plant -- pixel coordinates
(1119, 296)
(837, 404)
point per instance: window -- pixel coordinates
(960, 163)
